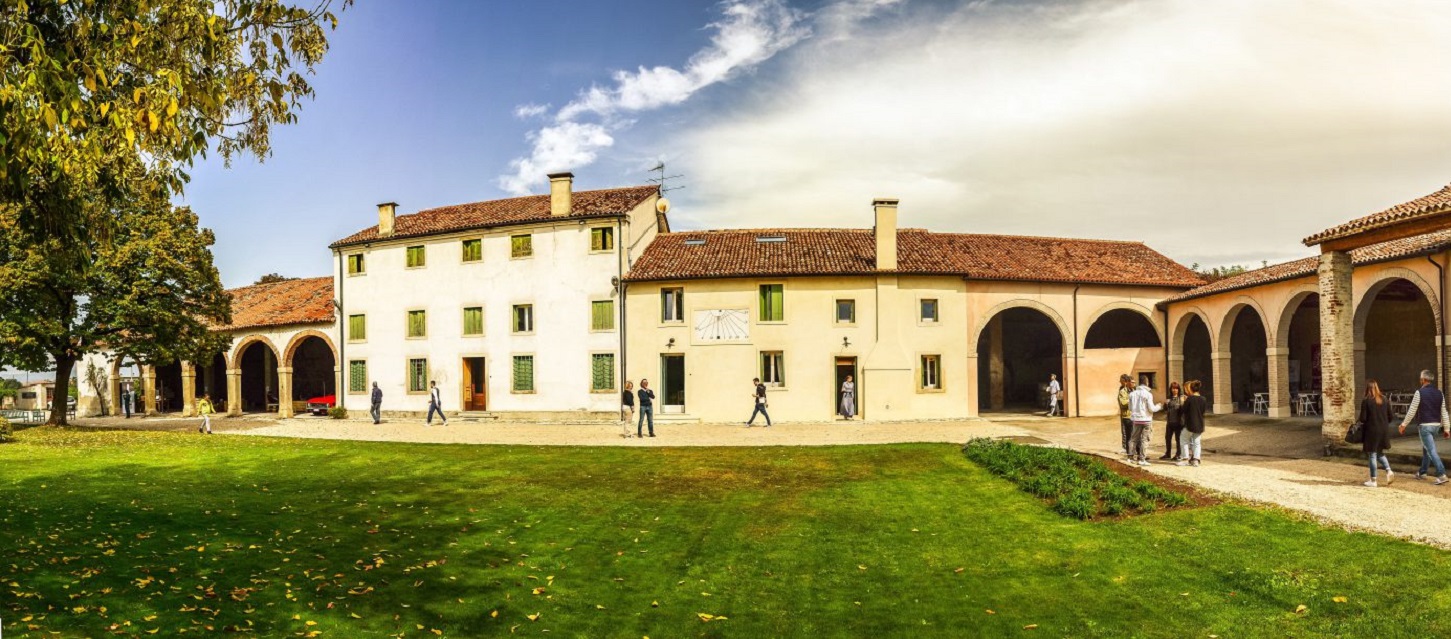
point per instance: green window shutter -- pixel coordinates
(474, 320)
(772, 298)
(602, 315)
(417, 375)
(521, 246)
(357, 376)
(596, 239)
(602, 372)
(357, 327)
(417, 324)
(473, 250)
(765, 303)
(415, 256)
(523, 373)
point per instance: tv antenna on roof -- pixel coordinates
(660, 168)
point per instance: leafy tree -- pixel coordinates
(150, 292)
(9, 387)
(272, 278)
(1218, 273)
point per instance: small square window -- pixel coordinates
(357, 328)
(602, 239)
(846, 311)
(356, 264)
(415, 257)
(523, 374)
(417, 323)
(773, 370)
(523, 318)
(474, 320)
(672, 305)
(931, 369)
(521, 246)
(929, 311)
(473, 250)
(602, 315)
(417, 375)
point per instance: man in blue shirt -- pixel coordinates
(647, 408)
(377, 410)
(1428, 408)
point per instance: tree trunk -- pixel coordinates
(60, 400)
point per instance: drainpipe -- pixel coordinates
(1077, 407)
(1441, 316)
(345, 371)
(1167, 341)
(620, 290)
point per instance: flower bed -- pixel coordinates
(1076, 485)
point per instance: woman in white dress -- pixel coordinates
(848, 398)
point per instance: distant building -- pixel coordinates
(35, 395)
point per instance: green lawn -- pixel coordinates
(137, 533)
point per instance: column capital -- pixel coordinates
(284, 370)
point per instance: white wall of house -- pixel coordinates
(560, 280)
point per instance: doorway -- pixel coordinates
(475, 386)
(672, 383)
(846, 366)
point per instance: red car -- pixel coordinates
(321, 405)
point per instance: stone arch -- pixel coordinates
(1383, 279)
(1176, 340)
(297, 340)
(1064, 331)
(1146, 312)
(234, 360)
(1287, 314)
(1226, 323)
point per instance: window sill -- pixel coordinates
(601, 330)
(358, 341)
(931, 391)
(417, 337)
(604, 391)
(522, 333)
(357, 274)
(468, 335)
(521, 392)
(775, 323)
(846, 324)
(415, 268)
(521, 257)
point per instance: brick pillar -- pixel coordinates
(284, 391)
(1279, 374)
(1443, 349)
(1175, 372)
(188, 390)
(148, 385)
(115, 389)
(996, 369)
(234, 391)
(1223, 384)
(1337, 345)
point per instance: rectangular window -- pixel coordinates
(602, 239)
(523, 373)
(415, 256)
(602, 372)
(523, 318)
(672, 305)
(474, 320)
(473, 250)
(355, 264)
(357, 376)
(773, 370)
(931, 372)
(929, 311)
(521, 246)
(417, 375)
(602, 315)
(772, 303)
(357, 328)
(846, 311)
(417, 323)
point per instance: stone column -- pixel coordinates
(1223, 384)
(188, 390)
(995, 366)
(234, 391)
(1175, 372)
(284, 391)
(1278, 360)
(115, 388)
(1337, 345)
(148, 384)
(973, 402)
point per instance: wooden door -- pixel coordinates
(475, 384)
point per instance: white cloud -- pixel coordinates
(1217, 131)
(530, 111)
(556, 148)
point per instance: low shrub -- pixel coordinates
(6, 432)
(1076, 485)
(337, 412)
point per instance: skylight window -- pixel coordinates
(764, 239)
(695, 242)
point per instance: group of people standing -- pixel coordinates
(647, 408)
(1427, 411)
(1184, 408)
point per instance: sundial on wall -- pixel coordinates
(719, 325)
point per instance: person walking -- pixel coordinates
(1174, 424)
(1375, 424)
(1054, 388)
(435, 404)
(758, 396)
(647, 408)
(204, 408)
(848, 398)
(377, 404)
(1141, 412)
(1428, 408)
(1193, 420)
(1125, 425)
(126, 399)
(627, 409)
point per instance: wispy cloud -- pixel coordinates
(748, 33)
(530, 111)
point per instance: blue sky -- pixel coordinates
(1218, 132)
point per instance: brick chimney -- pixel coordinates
(561, 194)
(387, 211)
(886, 232)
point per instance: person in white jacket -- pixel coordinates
(1141, 413)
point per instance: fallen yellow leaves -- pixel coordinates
(1340, 599)
(706, 617)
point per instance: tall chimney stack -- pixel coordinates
(886, 232)
(561, 194)
(387, 211)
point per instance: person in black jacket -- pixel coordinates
(1375, 423)
(647, 408)
(627, 409)
(1174, 406)
(1192, 417)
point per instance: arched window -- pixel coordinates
(1121, 328)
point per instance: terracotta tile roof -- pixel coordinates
(1435, 203)
(737, 253)
(303, 301)
(518, 210)
(1307, 267)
